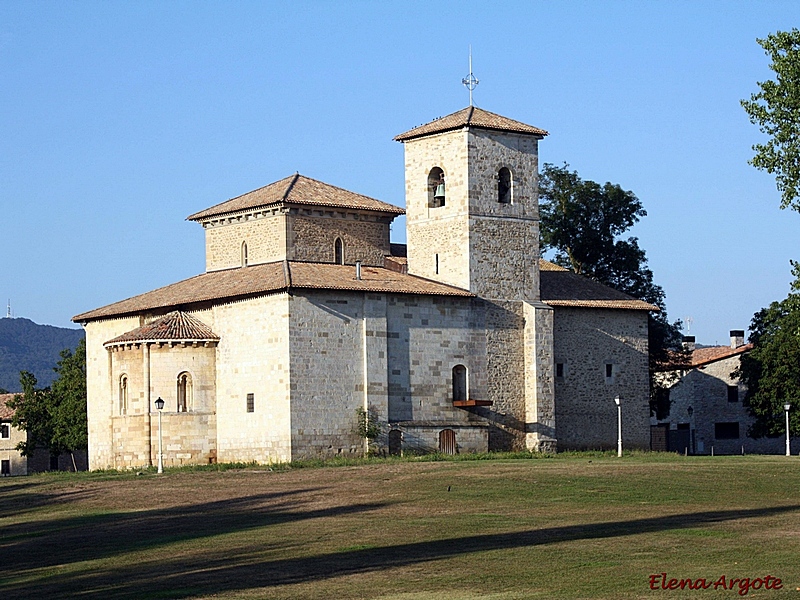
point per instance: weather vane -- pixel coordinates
(470, 81)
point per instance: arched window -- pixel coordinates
(338, 251)
(184, 392)
(460, 383)
(244, 254)
(436, 188)
(123, 395)
(505, 186)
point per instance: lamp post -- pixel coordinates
(619, 426)
(786, 408)
(160, 406)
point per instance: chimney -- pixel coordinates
(737, 338)
(688, 343)
(358, 270)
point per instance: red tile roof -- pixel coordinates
(562, 287)
(297, 189)
(472, 116)
(5, 412)
(176, 326)
(255, 280)
(701, 357)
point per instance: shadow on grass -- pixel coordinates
(33, 545)
(204, 573)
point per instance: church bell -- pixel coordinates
(438, 194)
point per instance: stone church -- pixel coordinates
(306, 315)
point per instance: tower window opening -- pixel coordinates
(244, 254)
(338, 251)
(436, 188)
(504, 186)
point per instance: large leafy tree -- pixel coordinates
(776, 110)
(771, 370)
(584, 222)
(32, 413)
(54, 418)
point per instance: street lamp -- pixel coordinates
(160, 406)
(786, 408)
(619, 426)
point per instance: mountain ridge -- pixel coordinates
(28, 346)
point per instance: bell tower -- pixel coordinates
(471, 203)
(473, 222)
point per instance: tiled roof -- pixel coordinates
(700, 357)
(5, 412)
(704, 356)
(562, 287)
(297, 189)
(175, 326)
(472, 116)
(256, 280)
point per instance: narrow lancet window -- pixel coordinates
(184, 392)
(504, 186)
(123, 395)
(244, 254)
(460, 383)
(338, 252)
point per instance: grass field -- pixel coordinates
(573, 527)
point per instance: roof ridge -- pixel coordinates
(290, 187)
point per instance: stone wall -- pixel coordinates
(540, 418)
(312, 234)
(705, 390)
(101, 391)
(265, 236)
(253, 358)
(585, 341)
(488, 247)
(328, 337)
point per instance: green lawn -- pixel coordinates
(569, 527)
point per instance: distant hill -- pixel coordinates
(27, 346)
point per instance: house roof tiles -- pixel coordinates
(472, 116)
(297, 189)
(268, 278)
(175, 326)
(5, 411)
(562, 287)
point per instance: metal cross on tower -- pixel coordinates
(470, 81)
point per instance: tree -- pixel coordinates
(54, 418)
(771, 370)
(32, 413)
(583, 221)
(68, 394)
(776, 110)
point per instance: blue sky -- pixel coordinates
(119, 119)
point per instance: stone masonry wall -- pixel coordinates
(102, 393)
(265, 237)
(328, 339)
(505, 365)
(442, 230)
(253, 358)
(540, 418)
(585, 341)
(312, 237)
(428, 337)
